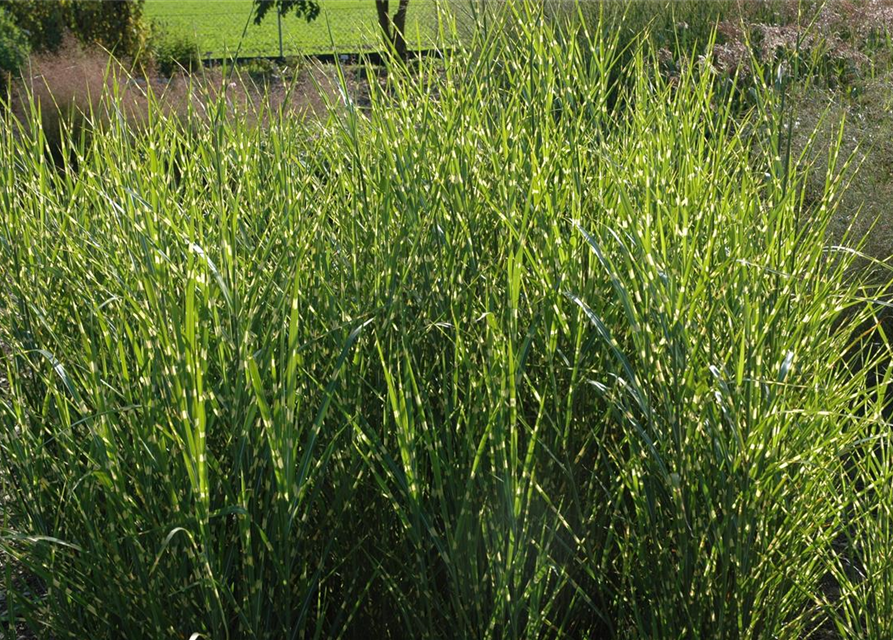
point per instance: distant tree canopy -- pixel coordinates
(393, 27)
(308, 9)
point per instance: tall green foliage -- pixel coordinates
(532, 348)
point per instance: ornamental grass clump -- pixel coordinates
(535, 346)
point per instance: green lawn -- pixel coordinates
(350, 24)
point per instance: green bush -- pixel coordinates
(260, 69)
(44, 21)
(117, 26)
(175, 51)
(13, 46)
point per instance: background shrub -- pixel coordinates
(175, 51)
(117, 26)
(43, 21)
(14, 47)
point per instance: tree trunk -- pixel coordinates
(384, 19)
(399, 34)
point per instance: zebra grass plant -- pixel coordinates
(535, 347)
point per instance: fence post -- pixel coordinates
(279, 19)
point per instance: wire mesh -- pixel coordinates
(226, 27)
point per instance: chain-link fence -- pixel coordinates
(226, 27)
